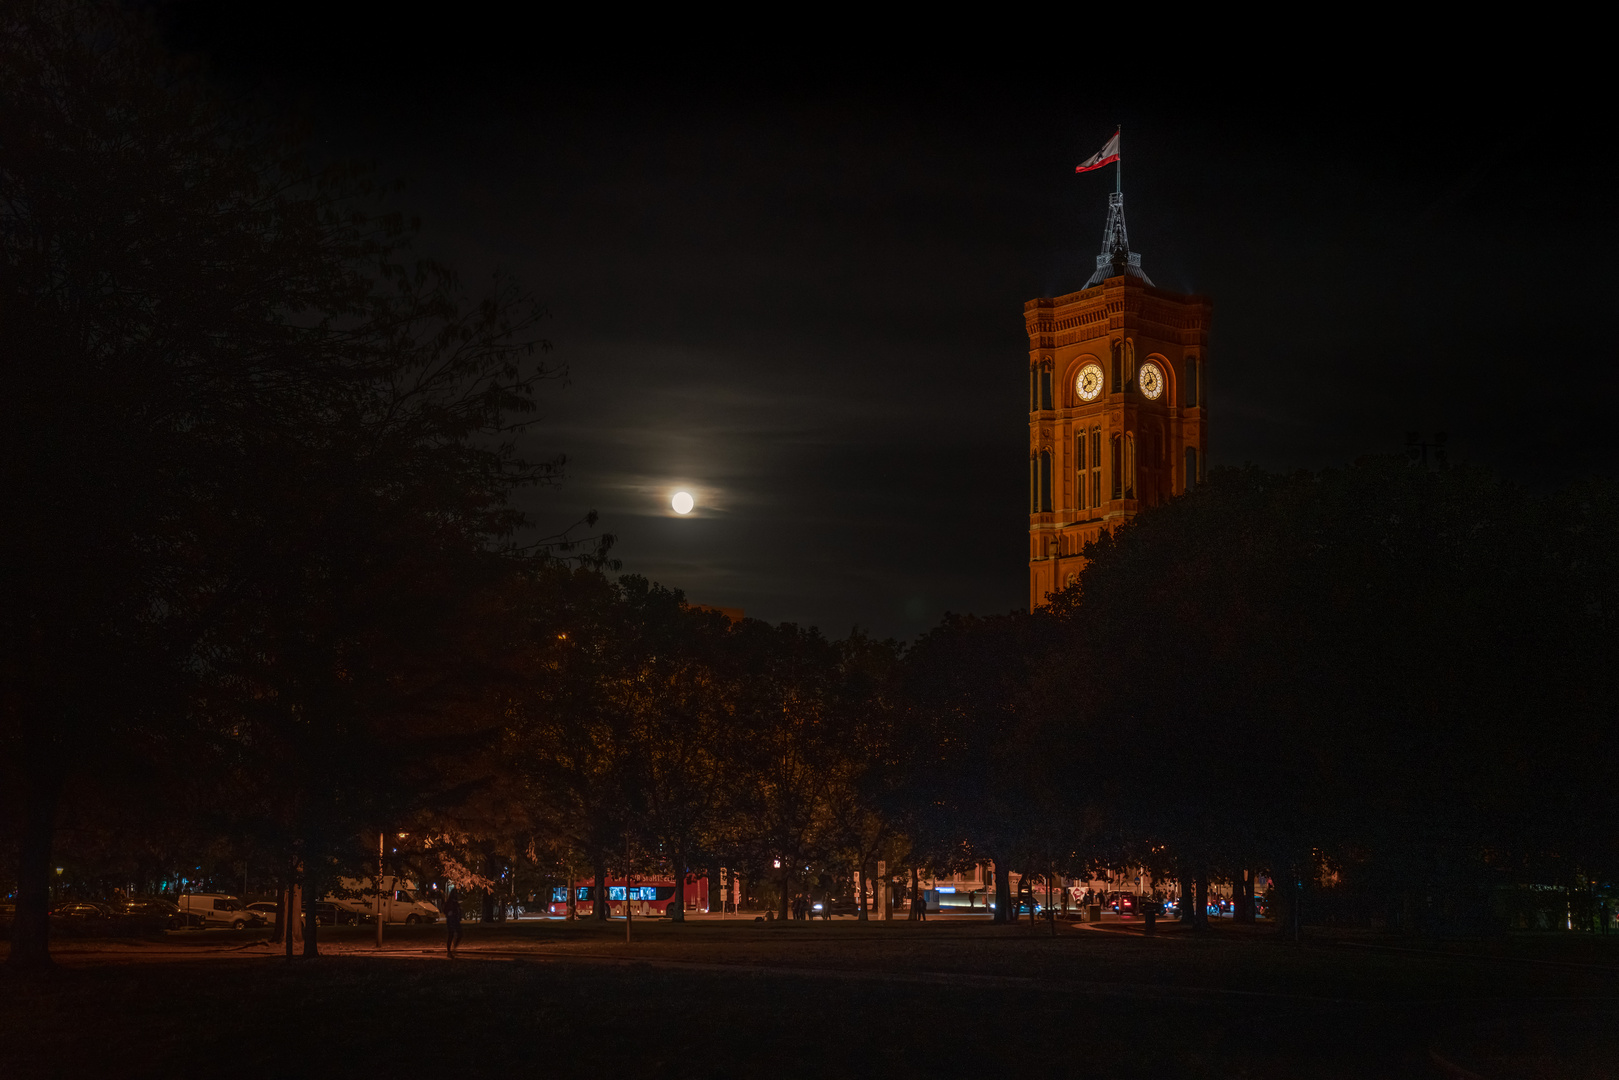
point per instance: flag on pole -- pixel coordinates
(1105, 156)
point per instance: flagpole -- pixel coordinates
(1118, 165)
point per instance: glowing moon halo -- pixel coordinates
(682, 503)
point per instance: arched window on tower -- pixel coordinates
(1045, 389)
(1191, 468)
(1079, 469)
(1096, 466)
(1045, 481)
(1034, 389)
(1117, 382)
(1115, 450)
(1189, 383)
(1129, 466)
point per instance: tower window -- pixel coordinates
(1189, 381)
(1045, 482)
(1079, 467)
(1045, 388)
(1116, 452)
(1034, 390)
(1118, 368)
(1191, 467)
(1129, 466)
(1096, 466)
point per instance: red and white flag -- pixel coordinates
(1106, 156)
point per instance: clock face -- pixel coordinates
(1151, 380)
(1089, 384)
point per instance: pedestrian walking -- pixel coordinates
(452, 921)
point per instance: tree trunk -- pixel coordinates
(1201, 921)
(1284, 903)
(1188, 905)
(280, 933)
(31, 925)
(598, 907)
(311, 919)
(1003, 893)
(1243, 886)
(715, 886)
(916, 895)
(293, 896)
(678, 913)
(786, 876)
(860, 884)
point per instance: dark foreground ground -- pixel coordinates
(742, 999)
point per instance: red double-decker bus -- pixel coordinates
(646, 896)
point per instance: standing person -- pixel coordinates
(452, 921)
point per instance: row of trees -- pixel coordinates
(1392, 680)
(264, 595)
(1396, 680)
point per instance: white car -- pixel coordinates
(400, 902)
(270, 913)
(217, 909)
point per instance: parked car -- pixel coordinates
(836, 907)
(155, 913)
(83, 917)
(329, 914)
(217, 909)
(267, 912)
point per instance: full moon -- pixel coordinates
(682, 502)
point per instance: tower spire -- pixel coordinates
(1116, 259)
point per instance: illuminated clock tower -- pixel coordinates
(1117, 413)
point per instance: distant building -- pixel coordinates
(1117, 413)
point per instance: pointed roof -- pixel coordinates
(1116, 259)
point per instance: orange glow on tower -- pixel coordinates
(1118, 419)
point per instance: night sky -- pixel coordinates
(794, 285)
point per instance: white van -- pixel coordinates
(217, 909)
(400, 900)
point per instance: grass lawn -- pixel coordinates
(733, 999)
